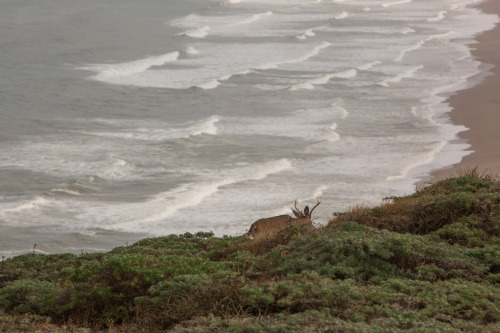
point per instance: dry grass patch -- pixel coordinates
(434, 207)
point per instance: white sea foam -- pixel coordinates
(301, 86)
(32, 204)
(421, 43)
(324, 79)
(395, 3)
(310, 32)
(207, 71)
(320, 115)
(83, 185)
(212, 84)
(307, 33)
(116, 169)
(206, 126)
(451, 86)
(201, 26)
(167, 204)
(368, 66)
(190, 50)
(200, 32)
(110, 168)
(336, 109)
(90, 233)
(349, 73)
(331, 135)
(315, 125)
(425, 115)
(128, 68)
(319, 191)
(438, 17)
(418, 160)
(464, 4)
(72, 159)
(255, 17)
(342, 15)
(407, 30)
(154, 133)
(66, 191)
(413, 111)
(314, 52)
(397, 78)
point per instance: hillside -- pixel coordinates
(425, 262)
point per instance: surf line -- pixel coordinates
(214, 83)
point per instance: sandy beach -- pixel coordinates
(478, 108)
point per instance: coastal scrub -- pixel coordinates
(429, 261)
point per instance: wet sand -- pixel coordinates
(478, 108)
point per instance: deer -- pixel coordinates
(275, 224)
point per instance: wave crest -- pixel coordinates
(106, 71)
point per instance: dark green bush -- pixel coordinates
(425, 262)
(358, 252)
(24, 296)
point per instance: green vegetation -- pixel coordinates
(425, 262)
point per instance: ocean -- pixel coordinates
(124, 119)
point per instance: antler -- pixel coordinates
(297, 212)
(314, 207)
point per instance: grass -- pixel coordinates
(425, 262)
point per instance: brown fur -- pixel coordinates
(272, 225)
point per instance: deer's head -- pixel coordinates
(306, 214)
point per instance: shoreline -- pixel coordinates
(478, 107)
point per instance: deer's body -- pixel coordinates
(275, 224)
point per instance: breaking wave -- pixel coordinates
(420, 159)
(205, 126)
(106, 71)
(397, 78)
(324, 79)
(166, 204)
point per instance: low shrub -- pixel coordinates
(30, 296)
(429, 261)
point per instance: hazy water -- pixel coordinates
(122, 119)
